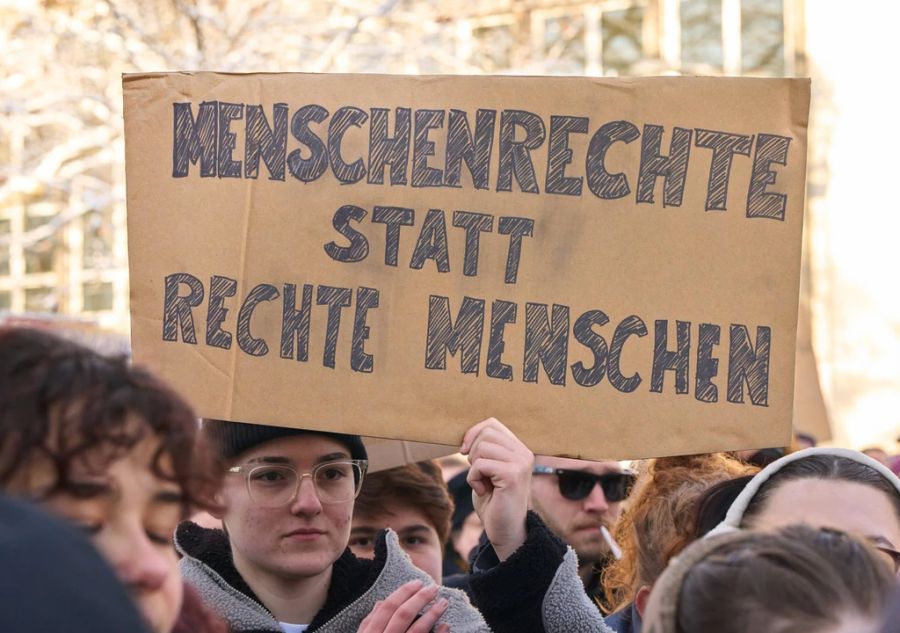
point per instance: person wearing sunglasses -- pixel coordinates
(577, 499)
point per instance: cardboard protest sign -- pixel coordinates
(385, 454)
(610, 267)
(810, 412)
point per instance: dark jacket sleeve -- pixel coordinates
(510, 594)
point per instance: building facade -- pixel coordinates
(63, 245)
(63, 241)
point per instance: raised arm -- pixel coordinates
(526, 580)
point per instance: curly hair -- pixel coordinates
(418, 486)
(65, 402)
(658, 521)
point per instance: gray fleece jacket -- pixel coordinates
(357, 584)
(355, 587)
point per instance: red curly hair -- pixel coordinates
(658, 520)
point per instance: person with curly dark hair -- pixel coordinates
(109, 447)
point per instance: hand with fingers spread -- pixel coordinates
(500, 476)
(399, 612)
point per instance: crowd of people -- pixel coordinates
(119, 511)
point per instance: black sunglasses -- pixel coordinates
(576, 485)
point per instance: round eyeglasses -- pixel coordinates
(274, 485)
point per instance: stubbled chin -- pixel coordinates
(591, 543)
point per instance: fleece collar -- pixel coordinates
(350, 576)
(735, 514)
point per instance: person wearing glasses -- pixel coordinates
(281, 564)
(578, 500)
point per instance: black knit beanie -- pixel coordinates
(461, 492)
(230, 439)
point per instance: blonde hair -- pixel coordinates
(658, 520)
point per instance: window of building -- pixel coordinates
(762, 37)
(614, 37)
(6, 157)
(493, 47)
(5, 300)
(43, 237)
(563, 46)
(4, 248)
(99, 237)
(701, 35)
(41, 300)
(572, 38)
(622, 39)
(40, 253)
(97, 297)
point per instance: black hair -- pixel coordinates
(713, 505)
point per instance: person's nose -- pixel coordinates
(596, 501)
(307, 500)
(141, 564)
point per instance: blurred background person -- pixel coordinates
(878, 454)
(413, 501)
(109, 447)
(795, 579)
(804, 440)
(465, 526)
(760, 457)
(657, 523)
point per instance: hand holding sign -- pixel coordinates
(500, 476)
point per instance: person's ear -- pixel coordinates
(219, 510)
(642, 599)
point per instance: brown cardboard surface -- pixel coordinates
(385, 454)
(610, 254)
(810, 412)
